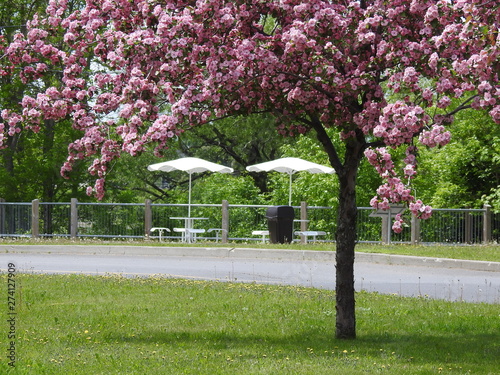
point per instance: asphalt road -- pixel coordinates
(407, 276)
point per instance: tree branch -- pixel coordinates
(327, 143)
(462, 106)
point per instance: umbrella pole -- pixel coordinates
(189, 197)
(290, 191)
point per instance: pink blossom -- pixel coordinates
(398, 224)
(157, 67)
(444, 102)
(420, 210)
(409, 170)
(433, 61)
(437, 136)
(484, 86)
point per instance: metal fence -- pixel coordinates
(453, 226)
(15, 219)
(134, 220)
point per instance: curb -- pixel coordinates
(408, 260)
(250, 253)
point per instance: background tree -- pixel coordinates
(240, 141)
(313, 64)
(237, 142)
(466, 173)
(316, 188)
(30, 162)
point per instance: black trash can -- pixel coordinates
(280, 224)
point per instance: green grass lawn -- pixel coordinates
(489, 253)
(75, 324)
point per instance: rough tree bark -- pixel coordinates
(346, 242)
(347, 171)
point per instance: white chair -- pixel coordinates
(310, 233)
(262, 233)
(188, 234)
(217, 231)
(160, 231)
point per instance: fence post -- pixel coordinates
(2, 217)
(148, 218)
(303, 216)
(487, 224)
(386, 236)
(225, 221)
(303, 220)
(415, 230)
(35, 218)
(74, 219)
(467, 227)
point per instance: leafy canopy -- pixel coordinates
(140, 72)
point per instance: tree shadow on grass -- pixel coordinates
(423, 348)
(470, 349)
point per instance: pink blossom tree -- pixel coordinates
(382, 73)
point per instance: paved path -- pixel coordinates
(409, 276)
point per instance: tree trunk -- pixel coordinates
(346, 242)
(347, 172)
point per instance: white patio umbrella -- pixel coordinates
(189, 165)
(290, 166)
